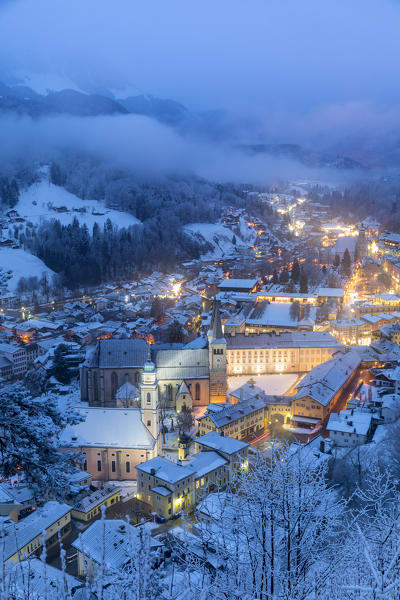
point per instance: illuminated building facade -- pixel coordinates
(255, 354)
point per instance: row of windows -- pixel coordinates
(99, 466)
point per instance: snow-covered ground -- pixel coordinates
(22, 264)
(220, 237)
(270, 384)
(37, 204)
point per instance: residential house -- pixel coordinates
(19, 540)
(89, 506)
(108, 546)
(233, 450)
(319, 391)
(16, 500)
(349, 427)
(167, 486)
(239, 421)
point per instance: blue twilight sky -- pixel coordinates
(326, 68)
(212, 53)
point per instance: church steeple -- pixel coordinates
(215, 332)
(217, 356)
(149, 401)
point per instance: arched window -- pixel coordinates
(169, 392)
(127, 377)
(148, 398)
(136, 376)
(114, 384)
(197, 392)
(95, 387)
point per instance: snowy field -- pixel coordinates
(220, 237)
(35, 205)
(22, 264)
(270, 384)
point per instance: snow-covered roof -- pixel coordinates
(391, 401)
(116, 427)
(221, 443)
(17, 535)
(233, 412)
(242, 284)
(197, 344)
(181, 364)
(127, 390)
(330, 292)
(247, 390)
(161, 490)
(350, 421)
(203, 463)
(165, 469)
(267, 314)
(19, 492)
(325, 380)
(112, 540)
(87, 503)
(183, 389)
(296, 339)
(39, 324)
(352, 322)
(118, 354)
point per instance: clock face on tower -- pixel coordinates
(218, 360)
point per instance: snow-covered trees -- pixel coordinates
(29, 430)
(276, 532)
(370, 566)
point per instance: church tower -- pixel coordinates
(217, 356)
(362, 243)
(149, 401)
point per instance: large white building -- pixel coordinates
(297, 352)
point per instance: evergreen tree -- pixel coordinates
(60, 368)
(275, 277)
(303, 282)
(29, 433)
(56, 175)
(175, 333)
(295, 273)
(157, 308)
(336, 261)
(284, 276)
(346, 263)
(294, 310)
(185, 419)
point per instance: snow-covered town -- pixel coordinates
(199, 300)
(166, 392)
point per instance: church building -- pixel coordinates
(113, 441)
(112, 370)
